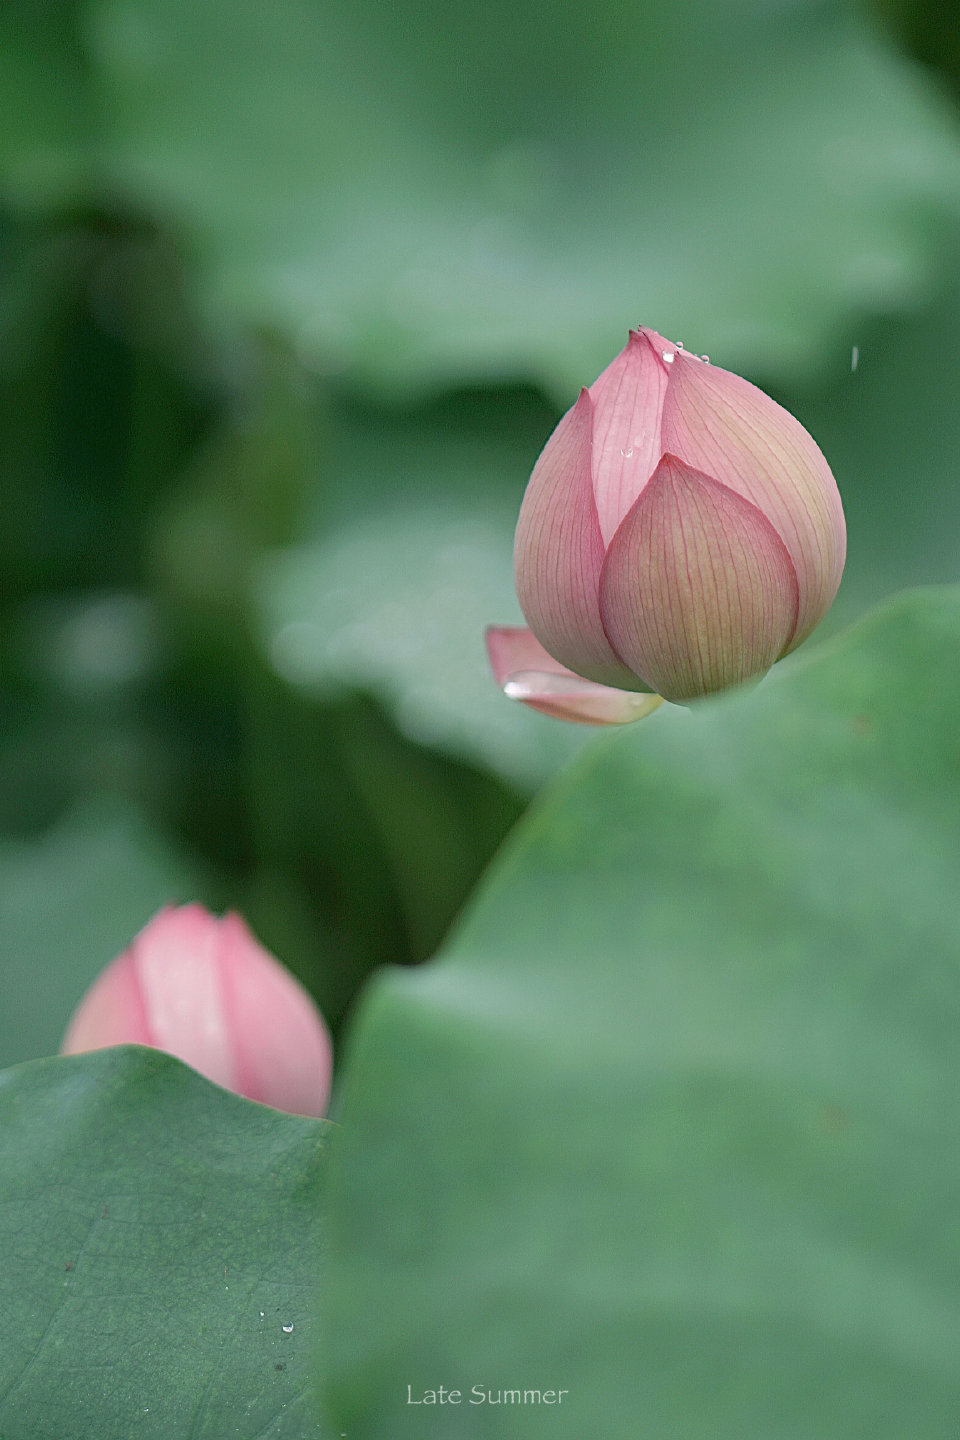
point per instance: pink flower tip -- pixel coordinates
(203, 989)
(681, 532)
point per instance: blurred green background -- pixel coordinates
(290, 298)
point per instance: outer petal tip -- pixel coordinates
(627, 405)
(525, 672)
(658, 344)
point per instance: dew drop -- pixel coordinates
(668, 357)
(287, 1329)
(705, 359)
(626, 453)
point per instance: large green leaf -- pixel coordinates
(418, 191)
(672, 1126)
(159, 1255)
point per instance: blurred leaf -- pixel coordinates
(247, 487)
(891, 431)
(159, 1255)
(928, 29)
(397, 606)
(414, 561)
(98, 402)
(45, 115)
(673, 1125)
(386, 837)
(421, 193)
(439, 822)
(69, 902)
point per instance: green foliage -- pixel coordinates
(670, 1123)
(290, 298)
(419, 196)
(892, 431)
(394, 593)
(68, 903)
(423, 194)
(929, 31)
(45, 102)
(160, 1255)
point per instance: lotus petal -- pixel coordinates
(627, 401)
(559, 551)
(725, 427)
(525, 672)
(698, 591)
(203, 989)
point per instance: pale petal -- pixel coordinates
(511, 648)
(204, 990)
(111, 1012)
(282, 1051)
(698, 591)
(627, 403)
(525, 672)
(559, 551)
(725, 427)
(177, 963)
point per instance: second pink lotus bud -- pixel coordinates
(680, 532)
(203, 989)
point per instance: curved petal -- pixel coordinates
(698, 591)
(111, 1013)
(282, 1049)
(627, 403)
(559, 551)
(722, 425)
(206, 991)
(177, 962)
(525, 672)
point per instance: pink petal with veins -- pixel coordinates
(698, 591)
(627, 403)
(559, 551)
(725, 427)
(525, 672)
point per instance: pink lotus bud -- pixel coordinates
(202, 989)
(680, 531)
